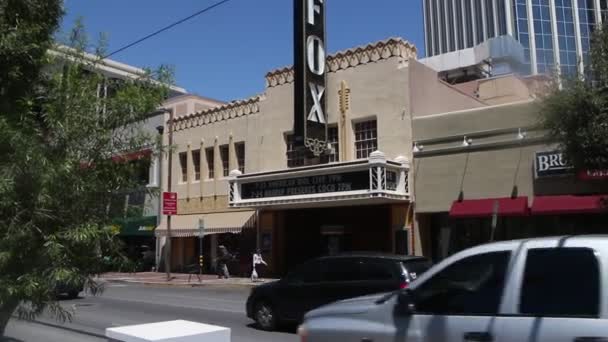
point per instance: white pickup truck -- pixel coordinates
(547, 289)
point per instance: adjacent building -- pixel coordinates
(554, 34)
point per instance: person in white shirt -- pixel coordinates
(257, 260)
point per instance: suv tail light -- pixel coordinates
(403, 285)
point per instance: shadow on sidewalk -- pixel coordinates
(9, 339)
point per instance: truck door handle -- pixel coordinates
(478, 336)
(591, 339)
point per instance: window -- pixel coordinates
(473, 285)
(561, 282)
(210, 162)
(341, 270)
(183, 163)
(295, 157)
(225, 156)
(307, 273)
(334, 142)
(377, 271)
(366, 138)
(196, 160)
(240, 156)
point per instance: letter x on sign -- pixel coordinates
(316, 112)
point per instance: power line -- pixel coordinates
(167, 28)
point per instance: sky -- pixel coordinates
(225, 53)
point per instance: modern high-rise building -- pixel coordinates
(553, 33)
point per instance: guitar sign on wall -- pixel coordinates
(310, 115)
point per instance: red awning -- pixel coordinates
(485, 207)
(548, 205)
(131, 156)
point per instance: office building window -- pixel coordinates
(240, 156)
(568, 58)
(543, 34)
(468, 16)
(295, 157)
(490, 19)
(450, 29)
(479, 22)
(366, 138)
(428, 28)
(443, 27)
(334, 142)
(196, 160)
(459, 24)
(183, 163)
(436, 43)
(587, 21)
(225, 157)
(210, 162)
(502, 19)
(521, 28)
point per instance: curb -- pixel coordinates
(66, 328)
(189, 285)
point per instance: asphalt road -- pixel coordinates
(121, 305)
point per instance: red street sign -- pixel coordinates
(170, 203)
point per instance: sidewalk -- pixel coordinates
(178, 279)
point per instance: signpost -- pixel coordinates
(310, 115)
(169, 203)
(201, 235)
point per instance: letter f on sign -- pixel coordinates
(312, 10)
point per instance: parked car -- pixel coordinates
(72, 291)
(548, 289)
(329, 279)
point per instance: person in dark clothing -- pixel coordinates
(224, 257)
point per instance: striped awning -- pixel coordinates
(215, 223)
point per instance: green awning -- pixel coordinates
(137, 226)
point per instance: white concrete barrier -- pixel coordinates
(172, 331)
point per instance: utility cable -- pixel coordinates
(217, 4)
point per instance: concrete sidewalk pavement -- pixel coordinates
(178, 279)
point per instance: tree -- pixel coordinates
(576, 114)
(57, 174)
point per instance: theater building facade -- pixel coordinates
(236, 169)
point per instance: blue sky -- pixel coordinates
(225, 53)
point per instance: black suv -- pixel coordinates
(329, 279)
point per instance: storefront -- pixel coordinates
(327, 209)
(137, 235)
(500, 183)
(236, 230)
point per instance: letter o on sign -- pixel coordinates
(316, 56)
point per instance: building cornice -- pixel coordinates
(228, 111)
(370, 53)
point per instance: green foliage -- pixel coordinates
(57, 137)
(576, 115)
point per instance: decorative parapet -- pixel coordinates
(370, 53)
(231, 110)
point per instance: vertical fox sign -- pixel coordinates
(310, 116)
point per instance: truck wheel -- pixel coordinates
(265, 316)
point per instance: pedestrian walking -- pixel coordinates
(224, 257)
(257, 262)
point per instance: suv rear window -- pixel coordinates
(415, 268)
(561, 282)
